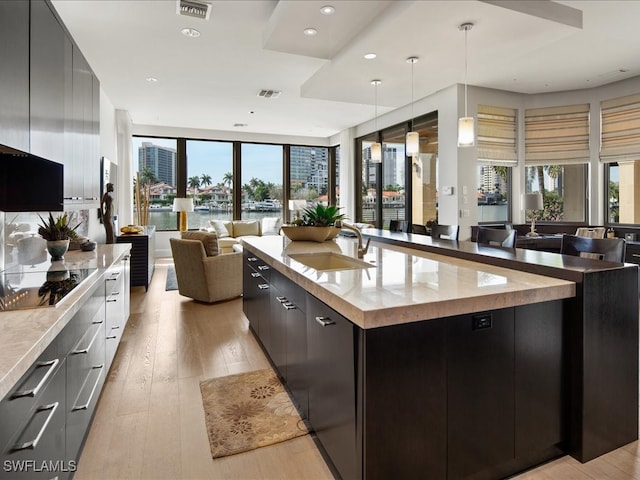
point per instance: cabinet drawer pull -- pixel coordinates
(252, 259)
(32, 444)
(83, 351)
(263, 267)
(111, 337)
(93, 391)
(325, 321)
(111, 300)
(32, 392)
(255, 274)
(635, 255)
(263, 286)
(289, 306)
(113, 276)
(281, 299)
(91, 198)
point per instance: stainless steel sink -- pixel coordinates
(329, 261)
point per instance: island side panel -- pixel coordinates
(605, 357)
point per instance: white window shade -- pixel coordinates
(620, 121)
(497, 136)
(557, 135)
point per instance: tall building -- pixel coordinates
(310, 168)
(160, 160)
(491, 181)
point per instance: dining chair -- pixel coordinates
(446, 232)
(496, 237)
(609, 249)
(398, 225)
(420, 229)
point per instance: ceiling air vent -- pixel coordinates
(269, 93)
(194, 8)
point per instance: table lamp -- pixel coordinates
(183, 206)
(533, 201)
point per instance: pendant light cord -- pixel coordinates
(412, 95)
(466, 31)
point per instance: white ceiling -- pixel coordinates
(211, 82)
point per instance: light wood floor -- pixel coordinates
(150, 423)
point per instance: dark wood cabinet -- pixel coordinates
(480, 392)
(332, 384)
(279, 306)
(14, 75)
(142, 259)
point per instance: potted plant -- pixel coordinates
(316, 224)
(57, 233)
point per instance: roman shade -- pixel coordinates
(620, 122)
(497, 136)
(557, 135)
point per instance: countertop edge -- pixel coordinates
(25, 357)
(367, 319)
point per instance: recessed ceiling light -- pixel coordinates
(151, 79)
(370, 56)
(310, 32)
(190, 32)
(327, 10)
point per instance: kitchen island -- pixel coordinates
(415, 364)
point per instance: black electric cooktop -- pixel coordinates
(35, 289)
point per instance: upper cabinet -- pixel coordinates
(49, 97)
(14, 74)
(50, 74)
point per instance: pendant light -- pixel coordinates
(376, 148)
(412, 143)
(466, 130)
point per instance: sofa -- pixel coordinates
(229, 232)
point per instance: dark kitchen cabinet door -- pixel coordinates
(14, 75)
(332, 396)
(480, 391)
(278, 328)
(50, 75)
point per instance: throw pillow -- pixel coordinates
(220, 228)
(246, 227)
(209, 240)
(271, 225)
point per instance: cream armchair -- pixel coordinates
(201, 273)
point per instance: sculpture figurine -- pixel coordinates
(107, 212)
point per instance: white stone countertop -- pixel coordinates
(405, 285)
(25, 334)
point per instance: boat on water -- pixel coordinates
(265, 206)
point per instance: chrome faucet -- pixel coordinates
(362, 251)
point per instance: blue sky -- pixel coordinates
(215, 159)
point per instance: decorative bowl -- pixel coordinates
(309, 234)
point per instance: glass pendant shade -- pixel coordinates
(466, 132)
(376, 153)
(412, 144)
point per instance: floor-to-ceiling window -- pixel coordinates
(623, 193)
(424, 171)
(308, 177)
(155, 181)
(393, 174)
(367, 208)
(209, 181)
(261, 180)
(563, 189)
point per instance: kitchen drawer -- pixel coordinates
(88, 352)
(27, 393)
(259, 266)
(39, 439)
(114, 280)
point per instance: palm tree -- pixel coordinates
(205, 180)
(227, 179)
(194, 182)
(148, 176)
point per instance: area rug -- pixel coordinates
(172, 282)
(247, 411)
